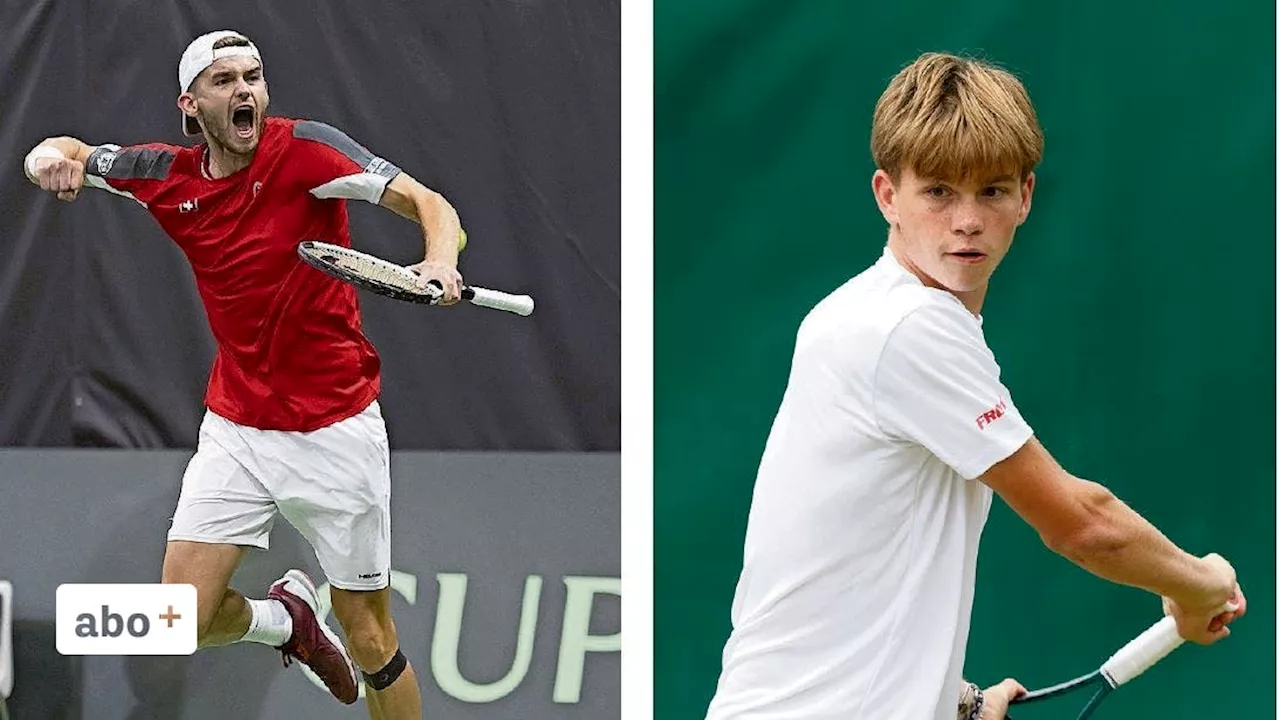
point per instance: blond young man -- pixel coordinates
(894, 432)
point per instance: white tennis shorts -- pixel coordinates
(332, 484)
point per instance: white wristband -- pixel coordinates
(38, 152)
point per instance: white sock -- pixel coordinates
(270, 624)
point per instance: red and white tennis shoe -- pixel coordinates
(312, 643)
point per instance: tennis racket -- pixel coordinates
(396, 281)
(1127, 663)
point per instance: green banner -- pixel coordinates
(1134, 319)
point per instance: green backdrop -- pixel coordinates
(1134, 319)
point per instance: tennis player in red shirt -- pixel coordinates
(293, 423)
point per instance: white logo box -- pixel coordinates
(125, 619)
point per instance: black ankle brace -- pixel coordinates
(388, 674)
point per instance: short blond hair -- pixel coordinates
(950, 117)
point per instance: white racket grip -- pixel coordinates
(518, 304)
(1146, 650)
(1142, 652)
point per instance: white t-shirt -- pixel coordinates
(862, 542)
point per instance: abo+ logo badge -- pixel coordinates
(125, 619)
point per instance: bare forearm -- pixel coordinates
(441, 228)
(1118, 544)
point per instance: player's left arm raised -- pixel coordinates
(409, 198)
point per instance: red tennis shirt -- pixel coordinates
(291, 351)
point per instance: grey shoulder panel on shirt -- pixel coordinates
(340, 141)
(139, 163)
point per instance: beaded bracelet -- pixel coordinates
(971, 701)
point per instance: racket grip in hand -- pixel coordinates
(1145, 650)
(518, 304)
(496, 300)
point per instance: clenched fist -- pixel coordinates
(62, 176)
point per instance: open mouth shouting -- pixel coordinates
(243, 120)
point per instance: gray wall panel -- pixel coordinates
(498, 519)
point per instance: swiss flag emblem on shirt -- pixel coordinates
(991, 415)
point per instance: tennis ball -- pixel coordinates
(462, 239)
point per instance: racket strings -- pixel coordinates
(376, 275)
(392, 275)
(373, 269)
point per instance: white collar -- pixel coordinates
(889, 261)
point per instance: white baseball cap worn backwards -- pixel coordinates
(199, 55)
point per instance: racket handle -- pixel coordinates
(1145, 650)
(518, 304)
(1142, 652)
